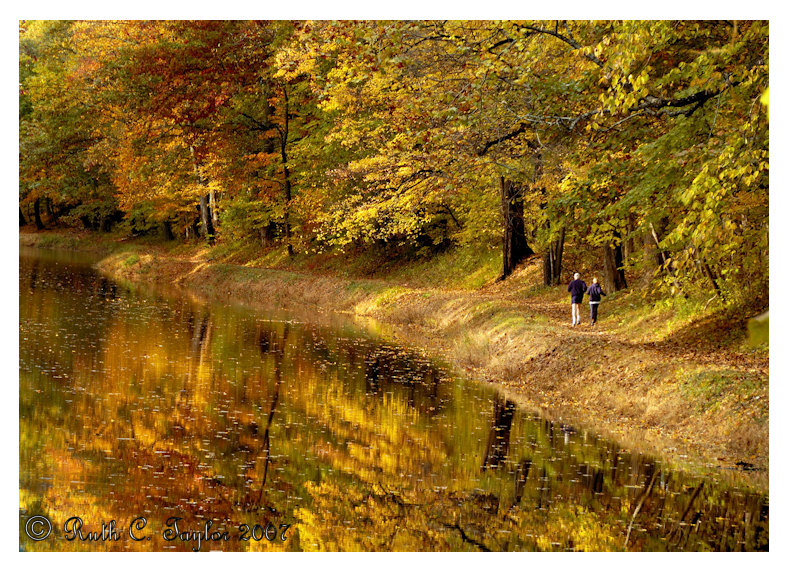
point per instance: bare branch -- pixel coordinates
(515, 133)
(568, 40)
(637, 114)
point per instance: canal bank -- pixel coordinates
(680, 396)
(138, 399)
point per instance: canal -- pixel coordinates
(152, 421)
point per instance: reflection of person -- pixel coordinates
(577, 288)
(595, 292)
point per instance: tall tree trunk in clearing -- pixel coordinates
(514, 240)
(22, 221)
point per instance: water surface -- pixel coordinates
(286, 433)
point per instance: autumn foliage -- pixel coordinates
(644, 144)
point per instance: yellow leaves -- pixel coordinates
(764, 100)
(598, 51)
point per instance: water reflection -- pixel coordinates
(499, 436)
(138, 404)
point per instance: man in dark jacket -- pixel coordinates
(577, 288)
(595, 292)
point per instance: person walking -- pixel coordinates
(577, 288)
(595, 292)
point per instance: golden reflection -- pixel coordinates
(134, 404)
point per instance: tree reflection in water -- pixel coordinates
(139, 403)
(499, 437)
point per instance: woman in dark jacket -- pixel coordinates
(594, 292)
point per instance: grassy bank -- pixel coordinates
(672, 378)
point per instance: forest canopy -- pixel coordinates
(644, 143)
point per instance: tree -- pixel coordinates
(531, 135)
(171, 83)
(56, 133)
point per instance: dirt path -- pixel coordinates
(702, 342)
(690, 395)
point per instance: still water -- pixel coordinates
(151, 421)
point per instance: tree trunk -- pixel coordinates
(662, 259)
(657, 233)
(167, 230)
(514, 240)
(206, 218)
(552, 261)
(206, 224)
(651, 252)
(268, 234)
(629, 246)
(286, 173)
(22, 221)
(212, 203)
(52, 212)
(707, 272)
(194, 228)
(286, 221)
(53, 217)
(558, 257)
(614, 274)
(548, 265)
(37, 214)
